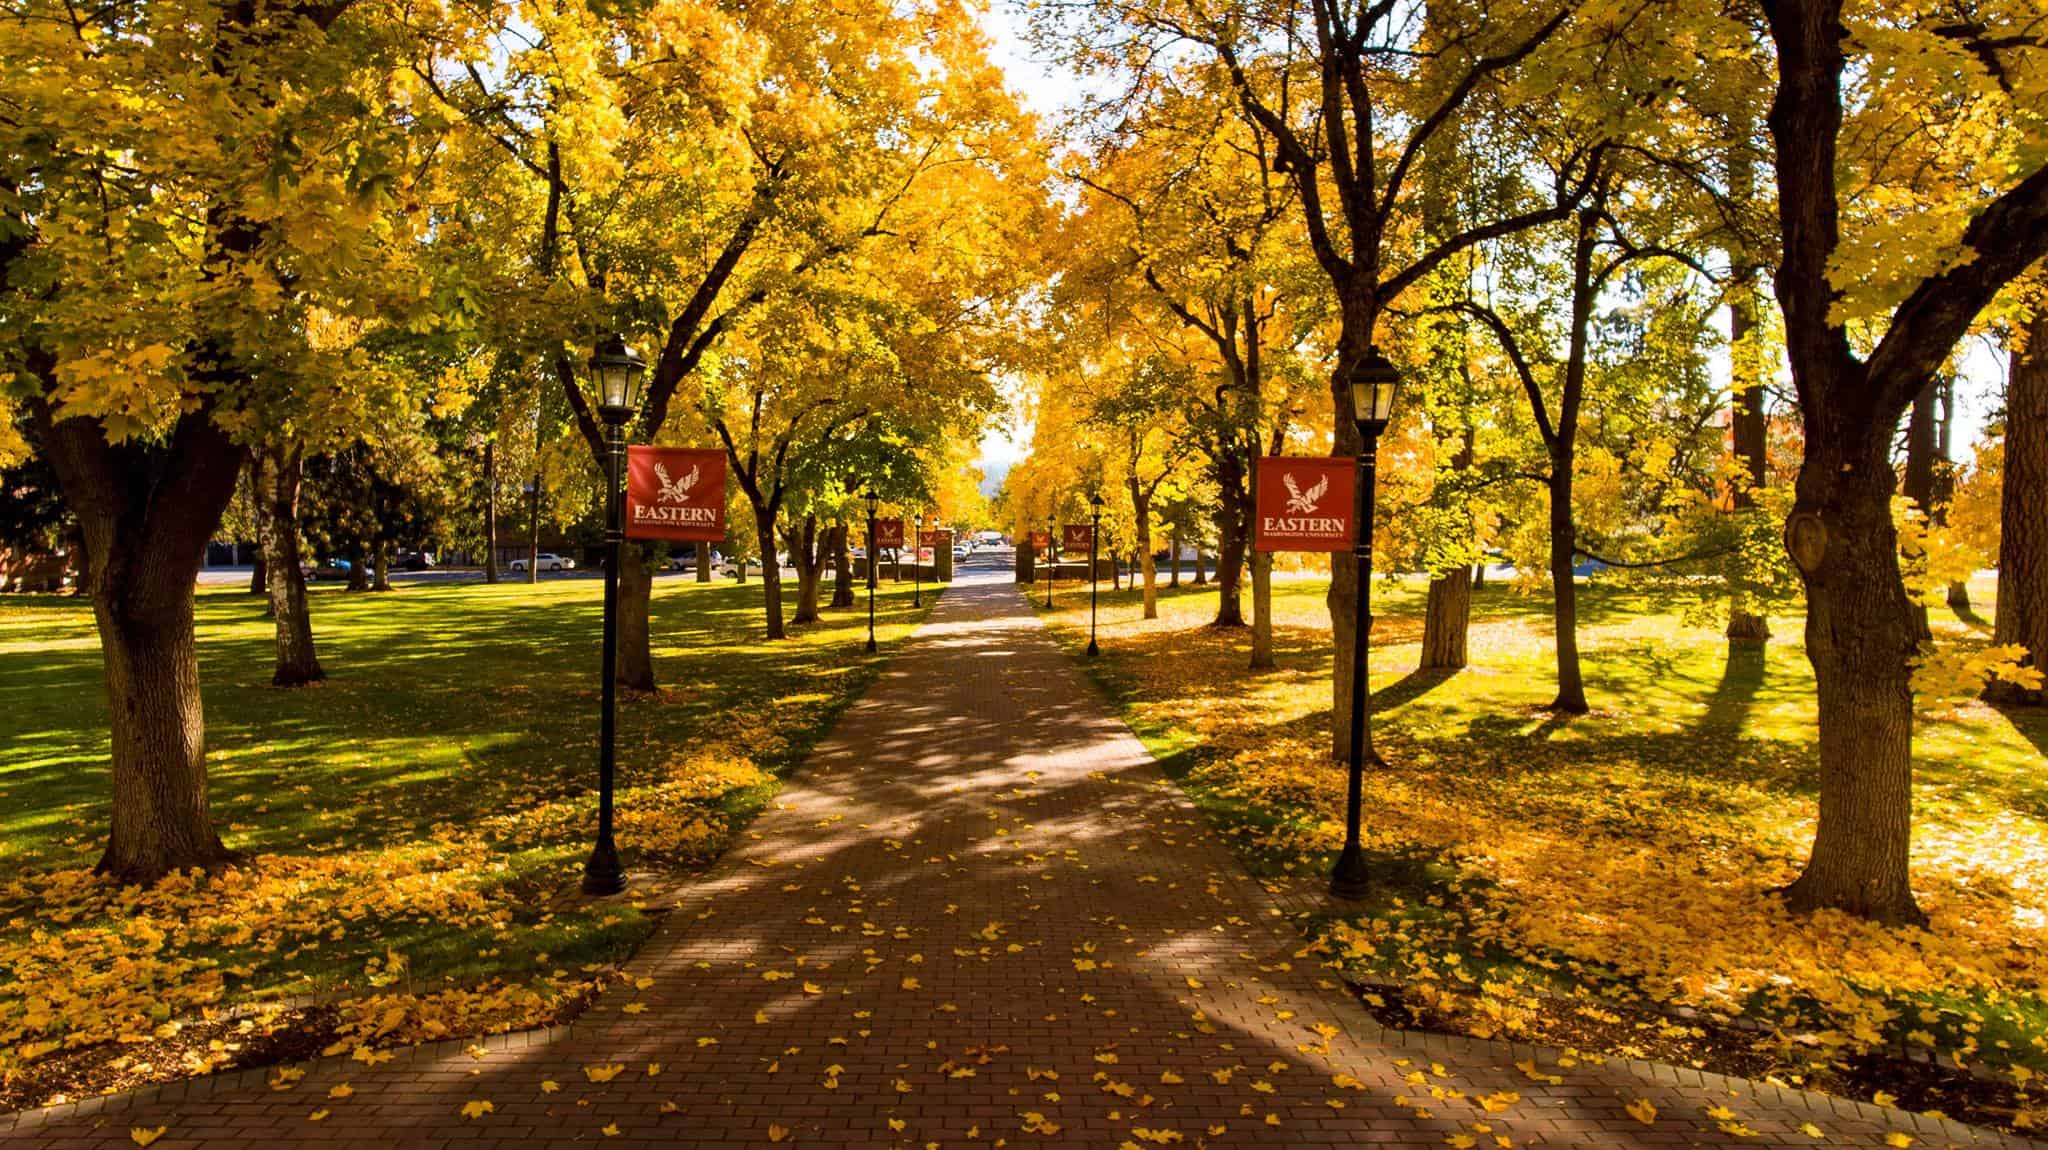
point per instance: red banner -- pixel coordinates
(934, 539)
(675, 493)
(1304, 504)
(1076, 537)
(1041, 541)
(888, 533)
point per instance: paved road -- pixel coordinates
(981, 913)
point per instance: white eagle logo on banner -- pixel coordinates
(678, 491)
(1304, 502)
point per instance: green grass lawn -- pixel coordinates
(413, 827)
(1624, 858)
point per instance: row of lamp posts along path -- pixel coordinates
(1374, 383)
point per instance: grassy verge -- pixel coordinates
(413, 827)
(1605, 881)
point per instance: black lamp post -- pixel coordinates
(1374, 382)
(1094, 583)
(873, 500)
(917, 561)
(1048, 562)
(618, 369)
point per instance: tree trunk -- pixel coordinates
(1945, 475)
(1142, 504)
(533, 531)
(1232, 516)
(1747, 628)
(1446, 621)
(490, 511)
(297, 662)
(259, 571)
(703, 561)
(1262, 610)
(358, 567)
(809, 558)
(145, 513)
(1172, 560)
(1201, 575)
(1859, 624)
(1479, 575)
(2023, 516)
(161, 820)
(380, 567)
(1918, 484)
(842, 567)
(1564, 528)
(1027, 562)
(1860, 639)
(636, 629)
(1571, 687)
(771, 571)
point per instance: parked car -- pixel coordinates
(413, 561)
(327, 569)
(546, 561)
(687, 560)
(728, 568)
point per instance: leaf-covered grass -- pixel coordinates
(1626, 857)
(413, 828)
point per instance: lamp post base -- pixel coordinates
(1093, 650)
(1351, 881)
(602, 874)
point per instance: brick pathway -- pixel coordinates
(980, 914)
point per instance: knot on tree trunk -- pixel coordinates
(1806, 540)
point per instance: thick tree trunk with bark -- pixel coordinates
(1232, 517)
(2023, 516)
(145, 513)
(380, 567)
(1173, 559)
(1201, 573)
(636, 598)
(771, 571)
(1447, 620)
(297, 663)
(490, 511)
(1861, 639)
(809, 559)
(1027, 563)
(842, 567)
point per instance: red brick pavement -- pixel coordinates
(980, 916)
